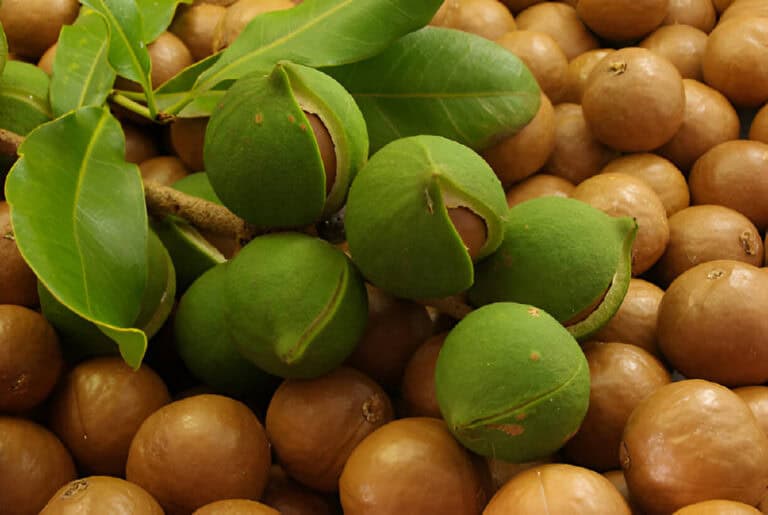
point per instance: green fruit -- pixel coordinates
(397, 216)
(82, 339)
(204, 340)
(511, 382)
(191, 252)
(296, 305)
(262, 156)
(563, 256)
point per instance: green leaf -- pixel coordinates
(445, 83)
(23, 97)
(82, 75)
(127, 51)
(3, 48)
(78, 215)
(317, 33)
(157, 15)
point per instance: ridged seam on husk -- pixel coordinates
(614, 296)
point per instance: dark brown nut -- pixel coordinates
(169, 55)
(758, 131)
(97, 495)
(418, 388)
(519, 156)
(196, 25)
(709, 120)
(635, 321)
(32, 26)
(99, 408)
(30, 358)
(705, 233)
(198, 450)
(692, 441)
(290, 498)
(164, 170)
(315, 424)
(560, 21)
(734, 174)
(239, 14)
(46, 60)
(621, 376)
(660, 174)
(543, 57)
(139, 144)
(411, 465)
(578, 72)
(33, 465)
(18, 280)
(712, 323)
(187, 138)
(539, 185)
(622, 20)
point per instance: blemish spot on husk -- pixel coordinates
(75, 488)
(534, 312)
(715, 274)
(373, 409)
(430, 203)
(618, 67)
(9, 236)
(259, 118)
(291, 118)
(19, 383)
(535, 356)
(748, 243)
(521, 416)
(510, 429)
(303, 127)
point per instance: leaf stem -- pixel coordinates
(131, 105)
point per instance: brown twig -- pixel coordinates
(451, 306)
(163, 201)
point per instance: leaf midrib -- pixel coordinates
(104, 48)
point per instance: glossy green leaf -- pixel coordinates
(78, 214)
(442, 82)
(82, 75)
(157, 16)
(3, 48)
(316, 33)
(23, 97)
(127, 51)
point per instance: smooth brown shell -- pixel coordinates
(522, 154)
(543, 57)
(734, 61)
(46, 60)
(718, 507)
(98, 495)
(660, 174)
(169, 55)
(734, 174)
(578, 72)
(30, 358)
(706, 233)
(235, 507)
(624, 195)
(196, 25)
(712, 323)
(635, 320)
(239, 14)
(622, 20)
(164, 170)
(290, 498)
(411, 465)
(695, 13)
(560, 21)
(558, 488)
(756, 398)
(746, 8)
(634, 100)
(518, 5)
(418, 387)
(314, 424)
(31, 26)
(722, 5)
(99, 407)
(502, 471)
(395, 329)
(709, 120)
(578, 155)
(621, 375)
(539, 185)
(758, 131)
(326, 147)
(33, 465)
(682, 45)
(18, 280)
(187, 141)
(486, 18)
(692, 441)
(139, 144)
(197, 450)
(471, 229)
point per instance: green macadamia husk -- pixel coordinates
(563, 256)
(205, 343)
(511, 382)
(261, 154)
(296, 306)
(396, 218)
